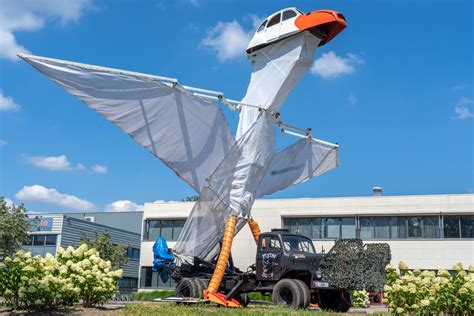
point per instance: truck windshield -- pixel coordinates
(297, 244)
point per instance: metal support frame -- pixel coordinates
(232, 105)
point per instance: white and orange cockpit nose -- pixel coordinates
(325, 24)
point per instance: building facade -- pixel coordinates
(129, 221)
(424, 231)
(51, 231)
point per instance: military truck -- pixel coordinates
(287, 267)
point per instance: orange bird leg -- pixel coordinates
(212, 293)
(255, 229)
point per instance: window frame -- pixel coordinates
(289, 10)
(431, 225)
(262, 26)
(174, 227)
(271, 19)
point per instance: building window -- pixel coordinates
(133, 253)
(430, 227)
(366, 228)
(348, 227)
(332, 227)
(41, 240)
(168, 229)
(458, 226)
(128, 283)
(398, 228)
(150, 279)
(38, 240)
(50, 240)
(414, 227)
(381, 227)
(467, 226)
(321, 228)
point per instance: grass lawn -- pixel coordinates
(207, 309)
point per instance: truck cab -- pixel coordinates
(281, 254)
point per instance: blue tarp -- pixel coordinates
(163, 260)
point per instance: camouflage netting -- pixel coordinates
(352, 265)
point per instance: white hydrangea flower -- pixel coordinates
(60, 250)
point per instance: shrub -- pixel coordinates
(428, 292)
(42, 283)
(360, 299)
(352, 265)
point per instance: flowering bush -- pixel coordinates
(360, 299)
(428, 292)
(43, 283)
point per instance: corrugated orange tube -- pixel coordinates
(255, 229)
(223, 255)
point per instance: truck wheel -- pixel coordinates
(201, 285)
(332, 300)
(188, 287)
(305, 291)
(243, 299)
(289, 293)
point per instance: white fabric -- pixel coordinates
(297, 164)
(190, 135)
(275, 71)
(187, 133)
(204, 227)
(233, 186)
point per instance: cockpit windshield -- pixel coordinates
(297, 244)
(262, 26)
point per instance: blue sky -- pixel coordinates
(394, 89)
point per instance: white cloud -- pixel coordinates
(27, 15)
(462, 109)
(352, 99)
(228, 40)
(55, 163)
(123, 206)
(99, 169)
(62, 163)
(3, 142)
(6, 103)
(38, 193)
(332, 66)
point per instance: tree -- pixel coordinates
(14, 228)
(108, 250)
(192, 198)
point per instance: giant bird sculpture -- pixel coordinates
(185, 128)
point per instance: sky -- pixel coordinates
(394, 90)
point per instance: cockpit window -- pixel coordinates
(288, 14)
(261, 27)
(274, 20)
